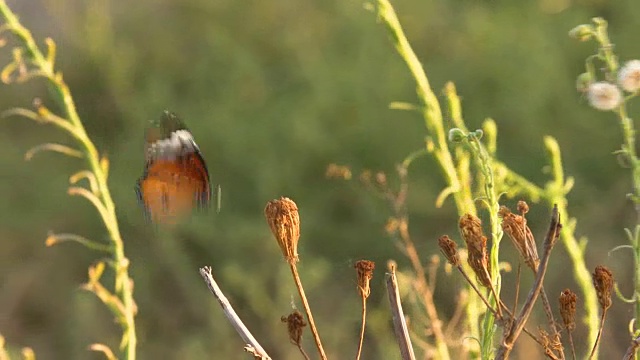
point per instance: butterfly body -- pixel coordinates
(175, 179)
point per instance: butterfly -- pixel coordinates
(175, 179)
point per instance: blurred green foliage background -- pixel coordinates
(274, 91)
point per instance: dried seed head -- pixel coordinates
(603, 282)
(449, 249)
(284, 221)
(295, 326)
(515, 226)
(523, 207)
(568, 300)
(364, 268)
(478, 257)
(471, 230)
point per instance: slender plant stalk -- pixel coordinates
(555, 193)
(307, 309)
(399, 322)
(633, 347)
(230, 313)
(607, 55)
(364, 320)
(43, 66)
(600, 328)
(514, 331)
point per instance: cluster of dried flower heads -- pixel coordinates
(516, 228)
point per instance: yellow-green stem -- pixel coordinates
(124, 286)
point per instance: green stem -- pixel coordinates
(629, 147)
(486, 167)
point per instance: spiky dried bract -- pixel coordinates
(295, 326)
(550, 343)
(515, 226)
(364, 268)
(603, 282)
(568, 300)
(450, 250)
(284, 221)
(478, 257)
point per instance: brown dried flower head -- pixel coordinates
(450, 250)
(471, 230)
(284, 221)
(515, 226)
(603, 282)
(364, 268)
(478, 257)
(568, 300)
(523, 207)
(295, 326)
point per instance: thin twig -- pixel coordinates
(595, 345)
(399, 322)
(364, 320)
(510, 337)
(633, 348)
(242, 330)
(573, 347)
(307, 309)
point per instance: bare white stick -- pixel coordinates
(399, 322)
(253, 347)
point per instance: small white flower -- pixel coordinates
(629, 76)
(604, 96)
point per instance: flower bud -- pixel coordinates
(583, 82)
(582, 32)
(456, 135)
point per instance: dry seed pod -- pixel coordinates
(478, 257)
(515, 226)
(284, 221)
(450, 250)
(295, 326)
(364, 269)
(603, 282)
(568, 300)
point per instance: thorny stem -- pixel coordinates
(307, 309)
(364, 319)
(123, 283)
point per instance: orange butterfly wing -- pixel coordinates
(175, 180)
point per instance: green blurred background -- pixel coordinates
(274, 91)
